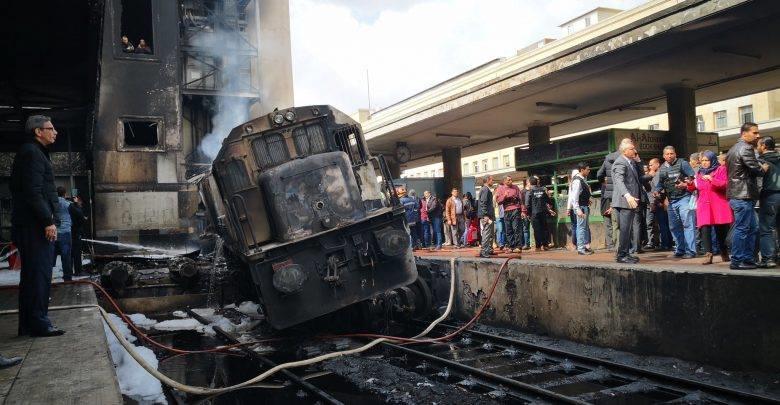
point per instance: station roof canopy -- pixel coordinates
(609, 73)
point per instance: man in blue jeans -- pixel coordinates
(742, 191)
(673, 179)
(770, 202)
(62, 245)
(580, 205)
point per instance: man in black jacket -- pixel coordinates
(78, 221)
(34, 230)
(486, 215)
(604, 176)
(539, 205)
(742, 191)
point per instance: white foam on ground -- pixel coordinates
(179, 324)
(180, 314)
(142, 321)
(250, 309)
(134, 381)
(225, 324)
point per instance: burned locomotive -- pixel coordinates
(310, 212)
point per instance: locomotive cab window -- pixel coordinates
(136, 32)
(348, 140)
(270, 150)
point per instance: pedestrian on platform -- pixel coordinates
(499, 213)
(78, 222)
(525, 221)
(471, 233)
(604, 176)
(657, 220)
(434, 208)
(63, 244)
(539, 207)
(743, 171)
(486, 215)
(418, 214)
(454, 215)
(625, 198)
(713, 213)
(570, 208)
(580, 194)
(770, 202)
(673, 179)
(412, 210)
(510, 197)
(34, 230)
(425, 221)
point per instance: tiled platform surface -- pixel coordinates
(74, 368)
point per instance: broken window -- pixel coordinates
(309, 140)
(144, 134)
(348, 140)
(137, 26)
(270, 150)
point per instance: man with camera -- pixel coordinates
(673, 179)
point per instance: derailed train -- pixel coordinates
(314, 217)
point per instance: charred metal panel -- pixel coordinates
(126, 167)
(137, 210)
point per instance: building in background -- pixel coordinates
(134, 126)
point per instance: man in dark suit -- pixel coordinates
(486, 215)
(34, 229)
(625, 197)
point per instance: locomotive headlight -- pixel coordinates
(278, 119)
(289, 279)
(289, 116)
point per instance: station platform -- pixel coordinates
(660, 306)
(74, 368)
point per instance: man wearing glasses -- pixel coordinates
(34, 230)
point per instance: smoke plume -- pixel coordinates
(230, 111)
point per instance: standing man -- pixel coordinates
(62, 246)
(78, 221)
(625, 198)
(499, 212)
(425, 221)
(580, 202)
(673, 179)
(433, 206)
(412, 211)
(742, 191)
(538, 204)
(454, 215)
(33, 219)
(486, 215)
(770, 202)
(510, 197)
(604, 176)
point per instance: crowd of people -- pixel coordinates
(703, 207)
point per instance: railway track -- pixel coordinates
(514, 371)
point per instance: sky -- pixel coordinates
(407, 46)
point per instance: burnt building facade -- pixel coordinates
(136, 121)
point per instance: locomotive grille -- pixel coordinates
(270, 150)
(309, 140)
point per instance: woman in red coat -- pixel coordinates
(713, 212)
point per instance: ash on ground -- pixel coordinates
(757, 382)
(397, 385)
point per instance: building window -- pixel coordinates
(700, 123)
(144, 134)
(136, 25)
(587, 21)
(475, 165)
(653, 127)
(506, 160)
(720, 119)
(484, 165)
(745, 114)
(494, 163)
(465, 168)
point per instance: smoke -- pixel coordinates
(230, 111)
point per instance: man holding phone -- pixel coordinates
(673, 178)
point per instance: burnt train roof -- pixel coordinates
(266, 122)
